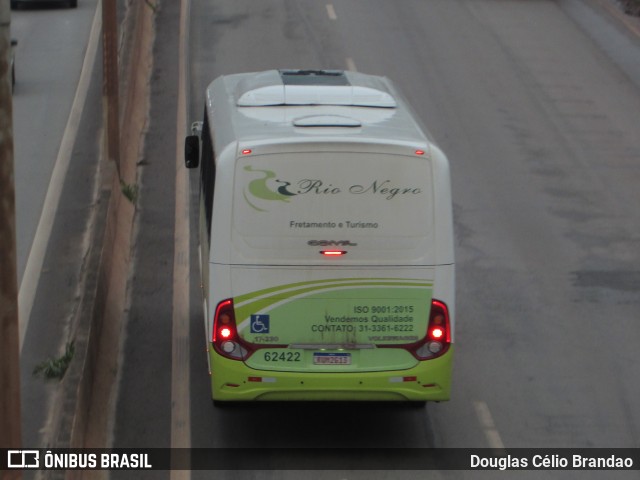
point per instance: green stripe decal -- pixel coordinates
(248, 296)
(292, 290)
(342, 311)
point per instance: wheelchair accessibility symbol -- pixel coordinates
(259, 323)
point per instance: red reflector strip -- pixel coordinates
(246, 151)
(333, 253)
(402, 379)
(262, 379)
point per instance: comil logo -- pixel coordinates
(331, 243)
(23, 459)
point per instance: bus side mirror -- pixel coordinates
(192, 151)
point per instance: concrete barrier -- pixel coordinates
(84, 401)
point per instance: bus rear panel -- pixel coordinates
(329, 246)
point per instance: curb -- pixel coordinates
(98, 384)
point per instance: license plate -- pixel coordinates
(332, 358)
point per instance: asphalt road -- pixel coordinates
(540, 122)
(52, 43)
(51, 49)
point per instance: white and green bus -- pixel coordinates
(326, 241)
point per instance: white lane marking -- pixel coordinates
(331, 12)
(180, 378)
(351, 65)
(33, 268)
(488, 425)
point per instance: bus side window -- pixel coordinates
(208, 172)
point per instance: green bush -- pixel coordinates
(55, 367)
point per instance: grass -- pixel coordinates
(129, 191)
(55, 367)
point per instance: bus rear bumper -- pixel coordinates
(428, 381)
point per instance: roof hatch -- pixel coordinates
(326, 121)
(313, 87)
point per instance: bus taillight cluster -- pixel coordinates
(438, 336)
(225, 338)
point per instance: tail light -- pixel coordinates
(438, 337)
(225, 338)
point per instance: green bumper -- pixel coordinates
(429, 380)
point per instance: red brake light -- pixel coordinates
(437, 333)
(333, 253)
(439, 328)
(223, 316)
(225, 338)
(438, 337)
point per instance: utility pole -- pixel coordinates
(10, 420)
(110, 96)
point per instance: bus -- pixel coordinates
(325, 241)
